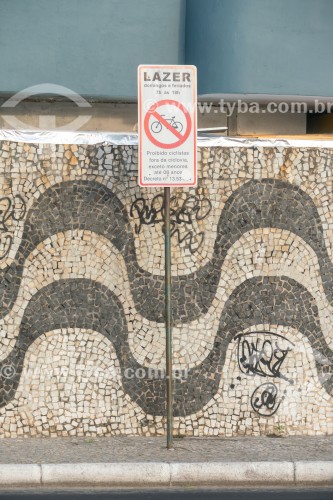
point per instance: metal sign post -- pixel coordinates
(167, 99)
(168, 318)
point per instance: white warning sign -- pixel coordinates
(167, 97)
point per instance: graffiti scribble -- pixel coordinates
(183, 213)
(10, 210)
(262, 353)
(264, 400)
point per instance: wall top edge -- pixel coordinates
(131, 139)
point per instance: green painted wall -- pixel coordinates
(239, 46)
(91, 46)
(261, 46)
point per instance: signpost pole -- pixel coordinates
(168, 318)
(167, 157)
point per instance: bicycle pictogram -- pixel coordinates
(167, 128)
(156, 126)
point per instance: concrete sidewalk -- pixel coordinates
(142, 462)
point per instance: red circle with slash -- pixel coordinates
(153, 112)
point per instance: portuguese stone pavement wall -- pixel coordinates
(82, 292)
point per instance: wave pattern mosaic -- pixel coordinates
(82, 293)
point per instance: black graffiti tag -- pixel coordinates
(147, 215)
(10, 210)
(259, 355)
(264, 400)
(183, 213)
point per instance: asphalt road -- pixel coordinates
(245, 494)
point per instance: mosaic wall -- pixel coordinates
(82, 293)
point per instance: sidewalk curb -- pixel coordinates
(165, 474)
